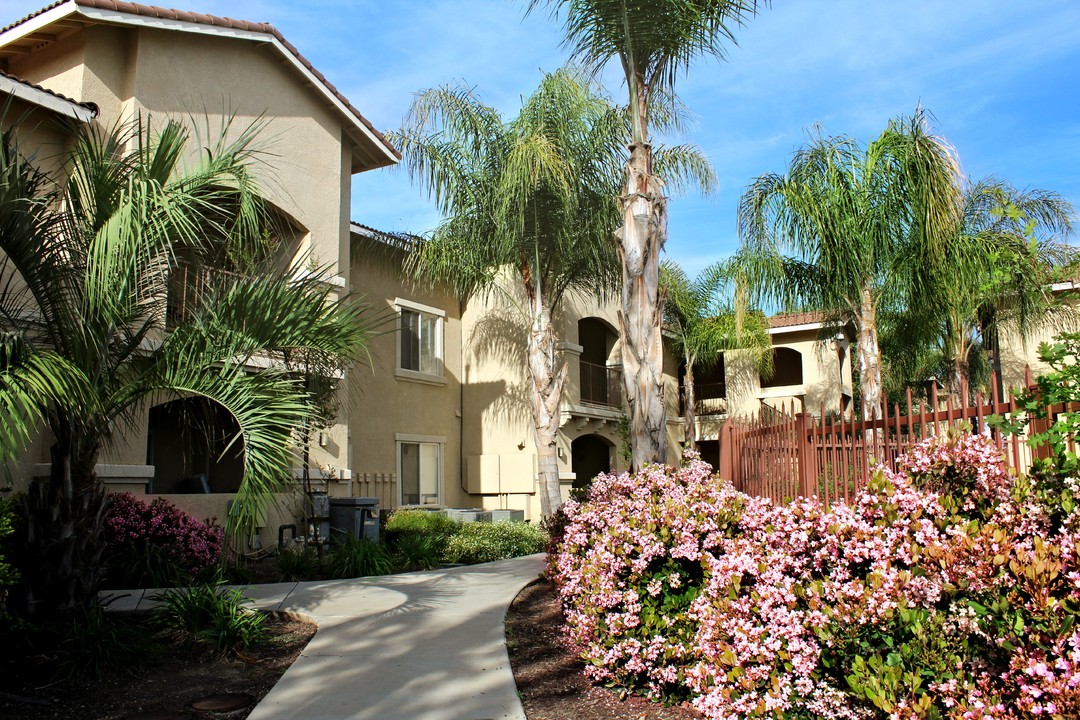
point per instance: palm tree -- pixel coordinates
(654, 42)
(701, 323)
(532, 195)
(88, 338)
(859, 224)
(1009, 242)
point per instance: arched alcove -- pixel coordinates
(787, 368)
(590, 455)
(195, 446)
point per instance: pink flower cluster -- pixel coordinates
(945, 589)
(192, 544)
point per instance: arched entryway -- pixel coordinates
(194, 446)
(590, 455)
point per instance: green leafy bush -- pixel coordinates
(488, 542)
(298, 562)
(415, 551)
(208, 615)
(419, 537)
(356, 557)
(8, 575)
(90, 645)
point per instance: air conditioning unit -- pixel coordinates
(469, 515)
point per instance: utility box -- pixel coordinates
(507, 516)
(319, 517)
(355, 516)
(469, 515)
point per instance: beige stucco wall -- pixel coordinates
(822, 378)
(1018, 352)
(386, 404)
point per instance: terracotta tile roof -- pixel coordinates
(151, 11)
(88, 106)
(791, 319)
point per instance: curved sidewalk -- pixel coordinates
(418, 646)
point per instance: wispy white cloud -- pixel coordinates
(1000, 77)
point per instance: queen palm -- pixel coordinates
(849, 230)
(1009, 246)
(701, 323)
(84, 302)
(531, 197)
(654, 42)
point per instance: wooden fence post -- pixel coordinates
(807, 456)
(726, 437)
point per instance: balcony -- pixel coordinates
(601, 385)
(709, 399)
(187, 287)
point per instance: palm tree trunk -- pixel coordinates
(869, 357)
(689, 413)
(639, 241)
(546, 395)
(869, 368)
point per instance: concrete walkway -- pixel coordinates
(418, 646)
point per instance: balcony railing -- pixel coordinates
(187, 287)
(601, 385)
(709, 399)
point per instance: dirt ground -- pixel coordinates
(162, 688)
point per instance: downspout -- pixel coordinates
(461, 402)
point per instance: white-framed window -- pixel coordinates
(420, 341)
(420, 469)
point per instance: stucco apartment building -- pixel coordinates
(439, 419)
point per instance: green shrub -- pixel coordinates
(298, 562)
(417, 532)
(8, 575)
(212, 616)
(415, 551)
(422, 521)
(355, 557)
(90, 645)
(488, 542)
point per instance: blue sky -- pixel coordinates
(1001, 78)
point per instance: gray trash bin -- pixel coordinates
(356, 516)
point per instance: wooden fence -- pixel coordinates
(789, 454)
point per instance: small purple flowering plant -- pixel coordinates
(159, 544)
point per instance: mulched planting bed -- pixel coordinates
(163, 687)
(549, 675)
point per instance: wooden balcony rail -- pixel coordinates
(601, 385)
(188, 286)
(709, 399)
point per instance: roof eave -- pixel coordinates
(359, 131)
(46, 100)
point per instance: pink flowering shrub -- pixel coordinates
(946, 589)
(631, 563)
(158, 544)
